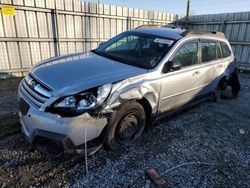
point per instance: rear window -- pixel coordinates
(208, 50)
(225, 50)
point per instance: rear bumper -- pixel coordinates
(67, 134)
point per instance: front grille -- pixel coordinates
(35, 92)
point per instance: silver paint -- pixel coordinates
(75, 73)
(78, 72)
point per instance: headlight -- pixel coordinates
(81, 102)
(102, 93)
(67, 102)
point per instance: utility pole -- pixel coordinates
(187, 13)
(98, 22)
(58, 52)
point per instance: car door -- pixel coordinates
(212, 65)
(180, 87)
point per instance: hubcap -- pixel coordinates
(128, 128)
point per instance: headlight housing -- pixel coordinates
(80, 103)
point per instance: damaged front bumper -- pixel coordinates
(54, 134)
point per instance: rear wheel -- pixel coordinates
(128, 125)
(216, 94)
(235, 84)
(230, 88)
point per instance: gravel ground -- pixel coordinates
(211, 140)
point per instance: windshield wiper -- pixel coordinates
(103, 54)
(118, 59)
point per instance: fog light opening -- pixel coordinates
(50, 147)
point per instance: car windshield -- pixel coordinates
(136, 49)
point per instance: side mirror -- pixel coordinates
(172, 66)
(101, 44)
(176, 65)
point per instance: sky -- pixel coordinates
(197, 7)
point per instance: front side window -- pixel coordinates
(187, 55)
(225, 50)
(136, 49)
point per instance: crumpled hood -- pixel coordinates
(77, 72)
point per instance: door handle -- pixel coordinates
(196, 73)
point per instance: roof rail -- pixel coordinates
(173, 27)
(148, 26)
(158, 26)
(196, 32)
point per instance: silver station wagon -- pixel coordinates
(80, 102)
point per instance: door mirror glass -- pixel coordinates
(176, 65)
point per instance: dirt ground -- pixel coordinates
(211, 140)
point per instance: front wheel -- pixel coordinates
(128, 125)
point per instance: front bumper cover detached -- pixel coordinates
(55, 144)
(55, 135)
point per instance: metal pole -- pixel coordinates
(98, 27)
(57, 31)
(187, 13)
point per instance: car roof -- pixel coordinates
(177, 33)
(162, 32)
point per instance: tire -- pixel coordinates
(235, 84)
(216, 95)
(128, 125)
(232, 87)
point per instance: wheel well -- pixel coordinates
(223, 83)
(148, 110)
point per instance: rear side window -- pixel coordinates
(225, 50)
(209, 51)
(187, 54)
(218, 51)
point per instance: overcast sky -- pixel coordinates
(179, 6)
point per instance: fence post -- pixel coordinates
(57, 32)
(128, 23)
(224, 26)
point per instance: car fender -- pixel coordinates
(145, 86)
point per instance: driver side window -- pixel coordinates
(187, 55)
